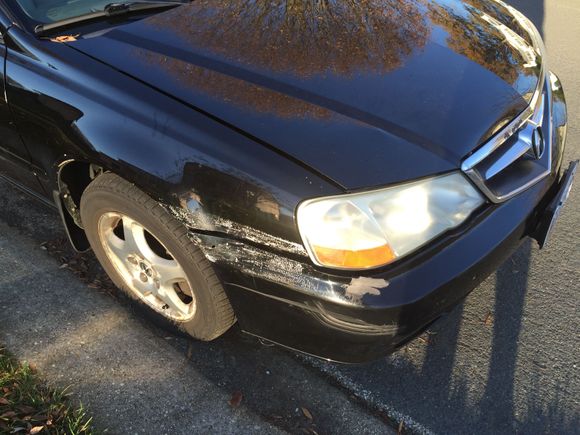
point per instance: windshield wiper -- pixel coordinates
(110, 10)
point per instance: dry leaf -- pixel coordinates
(424, 338)
(65, 38)
(236, 399)
(488, 319)
(4, 401)
(306, 413)
(36, 429)
(400, 430)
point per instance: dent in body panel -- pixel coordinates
(69, 106)
(299, 277)
(196, 219)
(292, 274)
(258, 254)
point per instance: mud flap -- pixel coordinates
(76, 235)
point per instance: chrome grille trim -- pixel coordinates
(499, 139)
(532, 117)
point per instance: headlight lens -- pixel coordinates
(371, 229)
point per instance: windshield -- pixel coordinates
(50, 11)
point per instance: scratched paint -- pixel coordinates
(232, 251)
(195, 218)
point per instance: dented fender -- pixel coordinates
(195, 164)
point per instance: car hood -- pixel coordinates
(367, 93)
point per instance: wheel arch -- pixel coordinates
(73, 176)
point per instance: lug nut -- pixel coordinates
(131, 259)
(143, 277)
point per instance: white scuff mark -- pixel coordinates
(361, 286)
(196, 219)
(262, 264)
(257, 236)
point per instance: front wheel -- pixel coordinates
(148, 255)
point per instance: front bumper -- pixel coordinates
(389, 307)
(358, 317)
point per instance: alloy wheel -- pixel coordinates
(148, 269)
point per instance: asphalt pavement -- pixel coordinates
(505, 361)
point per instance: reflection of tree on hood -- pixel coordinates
(303, 38)
(472, 36)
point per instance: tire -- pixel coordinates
(109, 196)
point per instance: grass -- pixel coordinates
(29, 406)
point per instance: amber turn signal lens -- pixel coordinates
(362, 259)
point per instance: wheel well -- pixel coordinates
(73, 178)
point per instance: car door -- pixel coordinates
(14, 157)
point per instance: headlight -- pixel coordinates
(371, 229)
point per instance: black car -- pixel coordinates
(334, 175)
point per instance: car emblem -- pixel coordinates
(538, 143)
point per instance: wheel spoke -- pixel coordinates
(135, 239)
(169, 271)
(117, 246)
